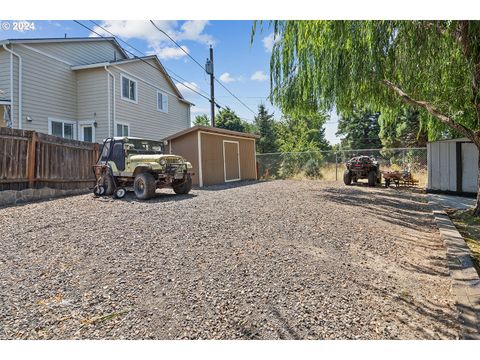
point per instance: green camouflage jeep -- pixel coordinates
(128, 163)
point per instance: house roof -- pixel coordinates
(125, 61)
(212, 130)
(55, 40)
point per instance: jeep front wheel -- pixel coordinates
(347, 177)
(182, 186)
(372, 178)
(144, 186)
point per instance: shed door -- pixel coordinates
(231, 160)
(469, 167)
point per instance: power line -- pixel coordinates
(146, 62)
(191, 57)
(235, 96)
(181, 48)
(140, 52)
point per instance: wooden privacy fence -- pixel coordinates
(34, 160)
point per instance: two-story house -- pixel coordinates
(87, 89)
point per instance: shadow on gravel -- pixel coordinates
(407, 305)
(403, 208)
(159, 197)
(227, 186)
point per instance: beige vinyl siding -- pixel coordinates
(80, 53)
(143, 117)
(4, 74)
(92, 103)
(48, 90)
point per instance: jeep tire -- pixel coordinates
(347, 177)
(372, 178)
(182, 187)
(144, 186)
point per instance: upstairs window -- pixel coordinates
(162, 101)
(129, 89)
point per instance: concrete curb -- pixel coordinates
(465, 279)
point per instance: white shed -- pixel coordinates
(452, 166)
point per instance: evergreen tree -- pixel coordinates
(361, 130)
(227, 119)
(202, 120)
(267, 129)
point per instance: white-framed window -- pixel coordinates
(129, 90)
(62, 128)
(162, 101)
(86, 131)
(122, 129)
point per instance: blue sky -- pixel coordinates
(243, 67)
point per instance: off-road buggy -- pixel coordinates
(128, 163)
(362, 167)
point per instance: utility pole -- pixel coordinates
(209, 70)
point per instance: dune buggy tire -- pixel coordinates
(107, 183)
(347, 178)
(144, 186)
(182, 187)
(372, 178)
(120, 193)
(99, 190)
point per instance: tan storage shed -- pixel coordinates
(217, 155)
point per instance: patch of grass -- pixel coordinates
(469, 226)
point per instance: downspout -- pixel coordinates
(19, 84)
(109, 92)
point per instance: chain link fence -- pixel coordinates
(330, 165)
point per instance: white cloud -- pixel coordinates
(186, 87)
(170, 52)
(259, 76)
(192, 30)
(226, 77)
(269, 41)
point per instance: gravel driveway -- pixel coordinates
(269, 260)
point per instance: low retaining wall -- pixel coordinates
(13, 197)
(465, 279)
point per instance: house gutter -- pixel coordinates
(109, 92)
(19, 84)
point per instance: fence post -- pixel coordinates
(31, 158)
(336, 167)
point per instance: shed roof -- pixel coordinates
(463, 139)
(212, 130)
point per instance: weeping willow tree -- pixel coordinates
(433, 66)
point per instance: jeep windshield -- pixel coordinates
(139, 146)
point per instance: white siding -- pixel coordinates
(80, 53)
(48, 90)
(144, 118)
(4, 74)
(93, 99)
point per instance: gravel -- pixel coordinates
(267, 260)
